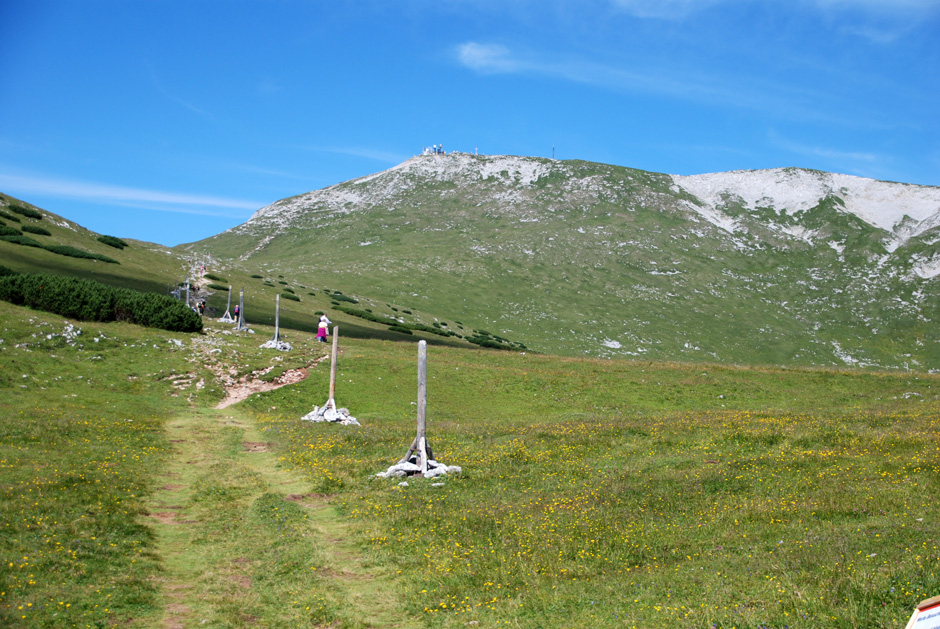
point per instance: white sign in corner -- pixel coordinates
(927, 615)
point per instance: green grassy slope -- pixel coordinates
(603, 493)
(153, 268)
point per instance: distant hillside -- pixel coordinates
(784, 266)
(35, 240)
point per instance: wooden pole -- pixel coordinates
(241, 309)
(422, 437)
(332, 400)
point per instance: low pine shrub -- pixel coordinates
(288, 289)
(257, 277)
(218, 287)
(341, 297)
(6, 230)
(112, 241)
(400, 329)
(290, 296)
(155, 311)
(20, 239)
(25, 211)
(212, 276)
(368, 316)
(33, 229)
(429, 329)
(487, 342)
(65, 250)
(87, 300)
(5, 271)
(9, 216)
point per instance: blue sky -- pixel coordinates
(171, 121)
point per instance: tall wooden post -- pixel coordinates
(228, 305)
(277, 318)
(422, 437)
(241, 310)
(420, 447)
(332, 401)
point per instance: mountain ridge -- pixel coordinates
(779, 266)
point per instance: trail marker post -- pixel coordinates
(277, 318)
(328, 412)
(241, 310)
(227, 317)
(419, 460)
(332, 401)
(420, 445)
(276, 342)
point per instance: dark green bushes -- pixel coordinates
(290, 296)
(211, 276)
(341, 297)
(33, 229)
(25, 211)
(401, 329)
(9, 216)
(217, 287)
(368, 316)
(20, 239)
(112, 241)
(6, 271)
(393, 323)
(65, 250)
(87, 300)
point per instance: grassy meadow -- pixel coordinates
(594, 493)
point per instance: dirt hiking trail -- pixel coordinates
(246, 543)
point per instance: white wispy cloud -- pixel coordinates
(665, 9)
(679, 9)
(379, 155)
(19, 184)
(861, 163)
(487, 58)
(756, 94)
(888, 6)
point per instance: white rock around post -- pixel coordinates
(329, 413)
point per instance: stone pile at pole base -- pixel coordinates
(284, 346)
(329, 413)
(411, 468)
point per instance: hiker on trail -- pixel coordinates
(323, 329)
(236, 312)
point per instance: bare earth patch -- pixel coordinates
(246, 387)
